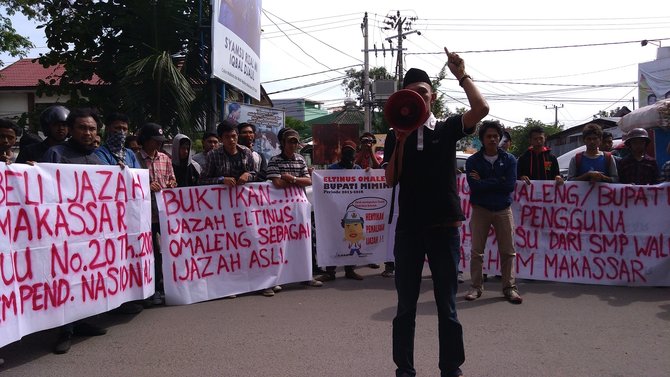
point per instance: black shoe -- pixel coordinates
(374, 266)
(63, 343)
(353, 275)
(86, 329)
(128, 308)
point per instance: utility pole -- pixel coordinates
(555, 107)
(366, 75)
(403, 27)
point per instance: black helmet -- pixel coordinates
(51, 115)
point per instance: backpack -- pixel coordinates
(608, 161)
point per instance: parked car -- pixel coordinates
(564, 159)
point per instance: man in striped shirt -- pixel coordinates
(290, 169)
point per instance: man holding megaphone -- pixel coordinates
(423, 163)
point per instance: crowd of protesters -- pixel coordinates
(228, 158)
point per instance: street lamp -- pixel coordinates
(645, 42)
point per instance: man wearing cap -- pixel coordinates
(161, 176)
(423, 162)
(638, 168)
(346, 162)
(289, 168)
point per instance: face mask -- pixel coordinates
(115, 142)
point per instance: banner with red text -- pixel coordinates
(75, 241)
(218, 240)
(351, 216)
(579, 232)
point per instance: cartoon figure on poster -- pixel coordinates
(354, 233)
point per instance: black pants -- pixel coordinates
(442, 247)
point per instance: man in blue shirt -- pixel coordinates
(491, 174)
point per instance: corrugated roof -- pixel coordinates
(26, 73)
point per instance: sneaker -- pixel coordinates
(312, 283)
(353, 275)
(387, 273)
(473, 294)
(512, 295)
(86, 329)
(460, 277)
(268, 292)
(277, 288)
(326, 277)
(63, 343)
(374, 266)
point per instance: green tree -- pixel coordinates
(146, 54)
(298, 125)
(11, 42)
(521, 134)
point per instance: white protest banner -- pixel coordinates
(219, 240)
(75, 241)
(351, 216)
(579, 232)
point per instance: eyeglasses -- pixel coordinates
(367, 141)
(293, 141)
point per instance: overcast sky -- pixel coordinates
(304, 37)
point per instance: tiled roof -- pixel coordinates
(26, 73)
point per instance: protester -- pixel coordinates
(665, 169)
(113, 150)
(210, 141)
(346, 162)
(290, 169)
(593, 165)
(132, 144)
(83, 125)
(423, 162)
(161, 176)
(638, 168)
(506, 141)
(230, 164)
(186, 170)
(55, 130)
(538, 163)
(607, 145)
(247, 137)
(366, 157)
(389, 142)
(491, 175)
(8, 133)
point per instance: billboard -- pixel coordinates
(236, 41)
(654, 78)
(268, 122)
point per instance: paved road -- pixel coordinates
(344, 329)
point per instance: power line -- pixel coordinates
(317, 39)
(309, 85)
(310, 74)
(297, 45)
(637, 41)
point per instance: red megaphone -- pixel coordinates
(405, 110)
